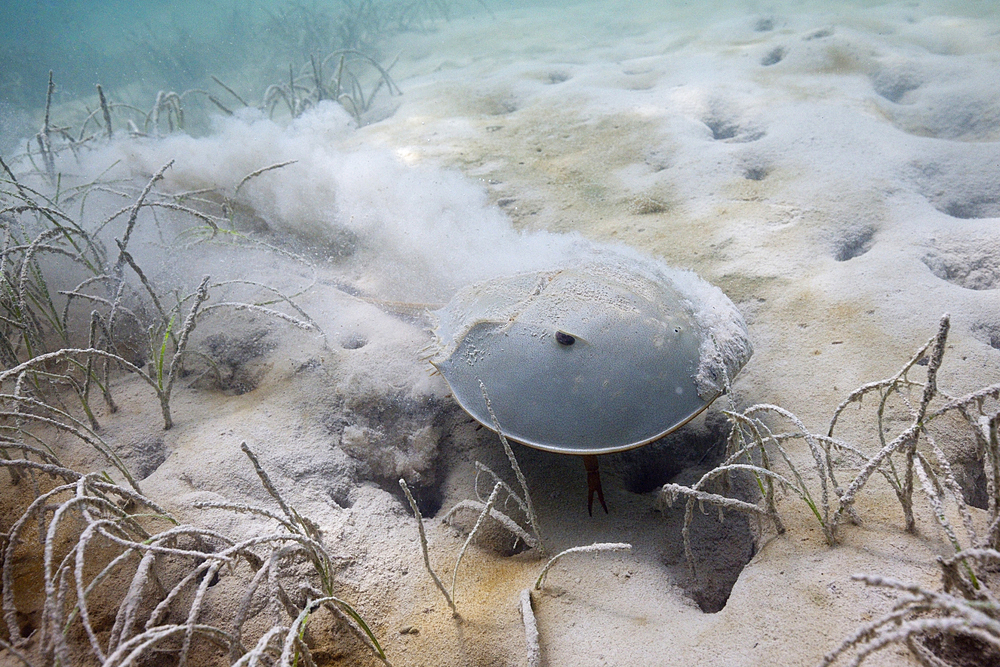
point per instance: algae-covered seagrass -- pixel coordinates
(599, 357)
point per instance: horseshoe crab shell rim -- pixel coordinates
(491, 425)
(594, 359)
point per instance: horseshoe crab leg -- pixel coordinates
(593, 484)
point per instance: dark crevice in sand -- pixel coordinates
(774, 56)
(970, 263)
(721, 548)
(853, 243)
(648, 468)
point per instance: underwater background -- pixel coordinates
(177, 45)
(264, 204)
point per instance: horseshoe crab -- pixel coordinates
(600, 357)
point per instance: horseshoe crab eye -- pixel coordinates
(564, 338)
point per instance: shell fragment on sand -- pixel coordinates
(590, 359)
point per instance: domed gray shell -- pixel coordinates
(591, 359)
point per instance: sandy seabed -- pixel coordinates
(834, 168)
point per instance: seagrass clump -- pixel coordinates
(249, 48)
(485, 509)
(757, 446)
(496, 506)
(123, 581)
(75, 304)
(914, 465)
(300, 29)
(339, 76)
(957, 625)
(960, 622)
(348, 76)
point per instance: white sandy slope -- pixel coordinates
(834, 168)
(837, 174)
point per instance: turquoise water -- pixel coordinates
(178, 44)
(135, 49)
(119, 44)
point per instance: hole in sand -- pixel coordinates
(965, 187)
(26, 624)
(726, 129)
(491, 534)
(984, 206)
(818, 34)
(238, 358)
(853, 244)
(394, 435)
(354, 342)
(647, 468)
(893, 83)
(143, 456)
(722, 129)
(556, 77)
(429, 497)
(958, 442)
(721, 548)
(763, 24)
(961, 650)
(774, 56)
(959, 108)
(756, 173)
(972, 264)
(987, 332)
